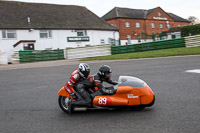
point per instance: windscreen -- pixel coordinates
(131, 81)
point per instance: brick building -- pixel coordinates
(135, 24)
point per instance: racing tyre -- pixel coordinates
(63, 103)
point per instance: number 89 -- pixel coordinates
(103, 100)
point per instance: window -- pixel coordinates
(28, 46)
(137, 25)
(129, 39)
(159, 14)
(111, 24)
(81, 33)
(168, 26)
(152, 25)
(161, 26)
(102, 41)
(128, 36)
(7, 34)
(179, 25)
(127, 24)
(45, 34)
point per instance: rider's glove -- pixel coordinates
(73, 96)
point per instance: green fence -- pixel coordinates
(164, 44)
(40, 55)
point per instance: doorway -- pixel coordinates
(29, 46)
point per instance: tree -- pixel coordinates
(194, 20)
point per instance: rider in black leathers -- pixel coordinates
(83, 86)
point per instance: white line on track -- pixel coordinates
(193, 71)
(42, 87)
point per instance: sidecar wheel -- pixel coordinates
(63, 103)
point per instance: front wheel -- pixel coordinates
(63, 103)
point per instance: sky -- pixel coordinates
(181, 8)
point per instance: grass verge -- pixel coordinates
(150, 54)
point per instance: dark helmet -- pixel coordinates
(104, 72)
(84, 70)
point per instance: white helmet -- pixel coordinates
(84, 70)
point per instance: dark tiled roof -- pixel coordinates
(177, 18)
(125, 13)
(150, 11)
(118, 12)
(14, 15)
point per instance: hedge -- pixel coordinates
(190, 30)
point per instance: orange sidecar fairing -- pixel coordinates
(127, 96)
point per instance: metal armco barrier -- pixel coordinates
(173, 43)
(89, 51)
(192, 41)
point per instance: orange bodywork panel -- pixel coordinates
(124, 89)
(148, 98)
(63, 92)
(109, 101)
(126, 96)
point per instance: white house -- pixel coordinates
(35, 26)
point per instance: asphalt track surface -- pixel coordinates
(28, 99)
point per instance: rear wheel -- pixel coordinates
(63, 103)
